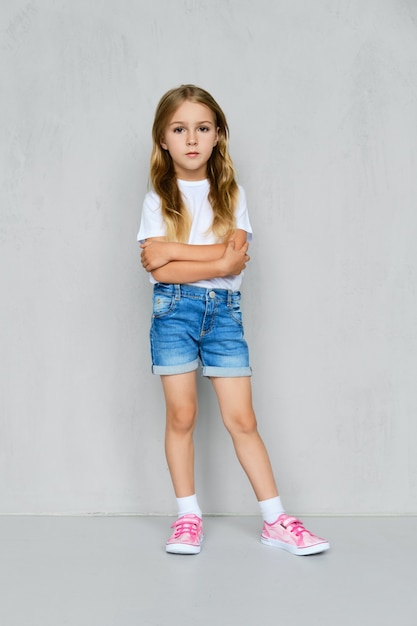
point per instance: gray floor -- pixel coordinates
(113, 571)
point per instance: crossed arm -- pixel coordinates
(171, 262)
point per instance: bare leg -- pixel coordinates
(181, 413)
(235, 401)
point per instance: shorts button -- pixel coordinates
(212, 294)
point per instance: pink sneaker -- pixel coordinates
(289, 534)
(187, 536)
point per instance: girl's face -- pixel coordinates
(190, 137)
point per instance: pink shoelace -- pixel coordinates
(186, 524)
(294, 525)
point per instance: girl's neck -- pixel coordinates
(193, 182)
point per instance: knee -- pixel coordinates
(181, 419)
(241, 424)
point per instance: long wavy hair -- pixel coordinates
(223, 192)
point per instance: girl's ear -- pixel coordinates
(163, 144)
(217, 136)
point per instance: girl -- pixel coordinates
(194, 237)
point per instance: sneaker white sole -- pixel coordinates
(183, 548)
(316, 549)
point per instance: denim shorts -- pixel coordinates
(193, 325)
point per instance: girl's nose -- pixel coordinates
(191, 140)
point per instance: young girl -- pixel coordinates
(194, 237)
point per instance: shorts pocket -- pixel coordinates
(163, 304)
(235, 310)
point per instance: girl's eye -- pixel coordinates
(204, 129)
(179, 129)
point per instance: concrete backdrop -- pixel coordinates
(321, 101)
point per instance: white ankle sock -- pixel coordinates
(271, 509)
(188, 506)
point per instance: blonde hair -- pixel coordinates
(223, 192)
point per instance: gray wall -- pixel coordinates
(321, 101)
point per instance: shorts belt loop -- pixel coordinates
(177, 291)
(229, 297)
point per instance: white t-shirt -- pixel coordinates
(195, 194)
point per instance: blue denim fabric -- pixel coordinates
(192, 325)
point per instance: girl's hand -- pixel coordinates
(154, 254)
(234, 261)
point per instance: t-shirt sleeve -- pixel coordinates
(242, 214)
(151, 223)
